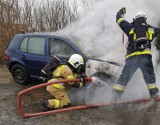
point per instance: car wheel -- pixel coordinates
(19, 74)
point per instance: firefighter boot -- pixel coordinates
(67, 106)
(154, 93)
(116, 94)
(53, 104)
(45, 105)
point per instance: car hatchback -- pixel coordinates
(28, 53)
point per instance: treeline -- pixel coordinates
(18, 16)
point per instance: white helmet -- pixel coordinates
(76, 61)
(140, 14)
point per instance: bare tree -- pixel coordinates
(9, 22)
(27, 12)
(19, 16)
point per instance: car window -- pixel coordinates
(59, 48)
(80, 46)
(36, 45)
(23, 46)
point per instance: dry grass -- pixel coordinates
(5, 76)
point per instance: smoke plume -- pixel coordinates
(99, 34)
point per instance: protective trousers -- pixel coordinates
(61, 97)
(144, 62)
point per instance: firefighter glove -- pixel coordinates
(83, 80)
(122, 10)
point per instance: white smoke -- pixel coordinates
(99, 34)
(97, 30)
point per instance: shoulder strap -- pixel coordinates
(150, 33)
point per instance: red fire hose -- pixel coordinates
(123, 40)
(20, 107)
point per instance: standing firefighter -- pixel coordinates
(140, 35)
(72, 69)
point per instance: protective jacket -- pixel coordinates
(128, 29)
(64, 72)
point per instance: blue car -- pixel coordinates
(28, 53)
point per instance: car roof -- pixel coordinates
(42, 34)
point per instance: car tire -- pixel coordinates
(20, 74)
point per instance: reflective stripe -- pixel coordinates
(150, 37)
(151, 30)
(150, 33)
(70, 77)
(152, 86)
(118, 87)
(59, 86)
(56, 103)
(131, 31)
(134, 36)
(58, 70)
(51, 80)
(70, 61)
(139, 53)
(80, 84)
(119, 21)
(147, 35)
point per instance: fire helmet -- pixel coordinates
(140, 14)
(77, 62)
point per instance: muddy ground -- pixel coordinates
(126, 114)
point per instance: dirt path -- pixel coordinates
(129, 114)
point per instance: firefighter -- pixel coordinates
(72, 69)
(140, 35)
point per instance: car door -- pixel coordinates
(33, 54)
(61, 48)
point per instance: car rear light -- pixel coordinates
(6, 57)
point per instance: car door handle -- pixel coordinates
(23, 56)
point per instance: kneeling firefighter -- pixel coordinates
(70, 70)
(140, 35)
